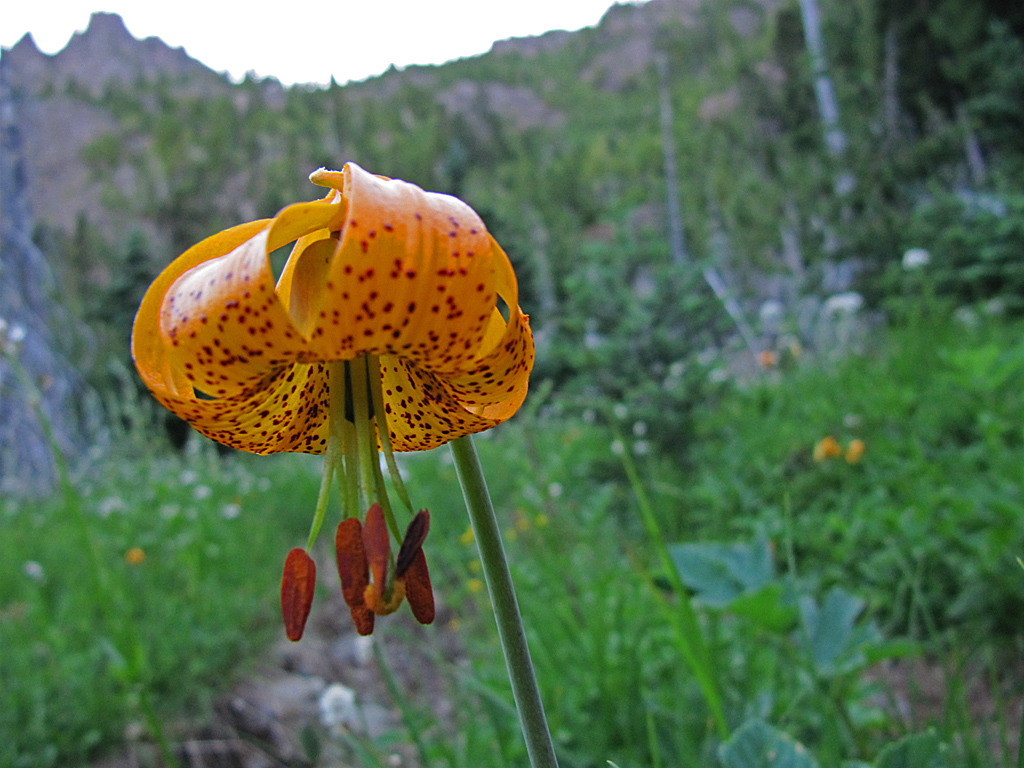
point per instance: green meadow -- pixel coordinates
(856, 610)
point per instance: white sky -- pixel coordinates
(307, 42)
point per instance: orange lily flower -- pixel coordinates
(395, 325)
(379, 267)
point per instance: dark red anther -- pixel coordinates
(297, 587)
(378, 545)
(354, 573)
(415, 535)
(348, 544)
(417, 589)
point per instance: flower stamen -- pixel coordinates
(372, 582)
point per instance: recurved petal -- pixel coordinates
(495, 385)
(422, 412)
(224, 325)
(302, 219)
(285, 412)
(149, 348)
(412, 275)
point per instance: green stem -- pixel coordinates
(506, 608)
(1020, 745)
(684, 617)
(402, 702)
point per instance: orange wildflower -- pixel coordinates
(854, 451)
(395, 325)
(827, 448)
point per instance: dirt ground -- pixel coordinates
(313, 703)
(316, 701)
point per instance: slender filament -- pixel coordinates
(377, 393)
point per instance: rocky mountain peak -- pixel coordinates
(104, 53)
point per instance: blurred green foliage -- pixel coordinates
(559, 148)
(807, 574)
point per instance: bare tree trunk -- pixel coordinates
(972, 149)
(828, 107)
(676, 239)
(720, 252)
(890, 83)
(675, 216)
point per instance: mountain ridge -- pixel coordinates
(63, 112)
(103, 53)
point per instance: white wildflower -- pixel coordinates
(846, 303)
(994, 307)
(915, 258)
(770, 315)
(966, 316)
(231, 511)
(34, 570)
(338, 710)
(110, 505)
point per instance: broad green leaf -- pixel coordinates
(831, 634)
(718, 573)
(919, 750)
(755, 744)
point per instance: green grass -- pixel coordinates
(213, 534)
(804, 575)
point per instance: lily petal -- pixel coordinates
(422, 412)
(411, 275)
(149, 350)
(285, 412)
(225, 325)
